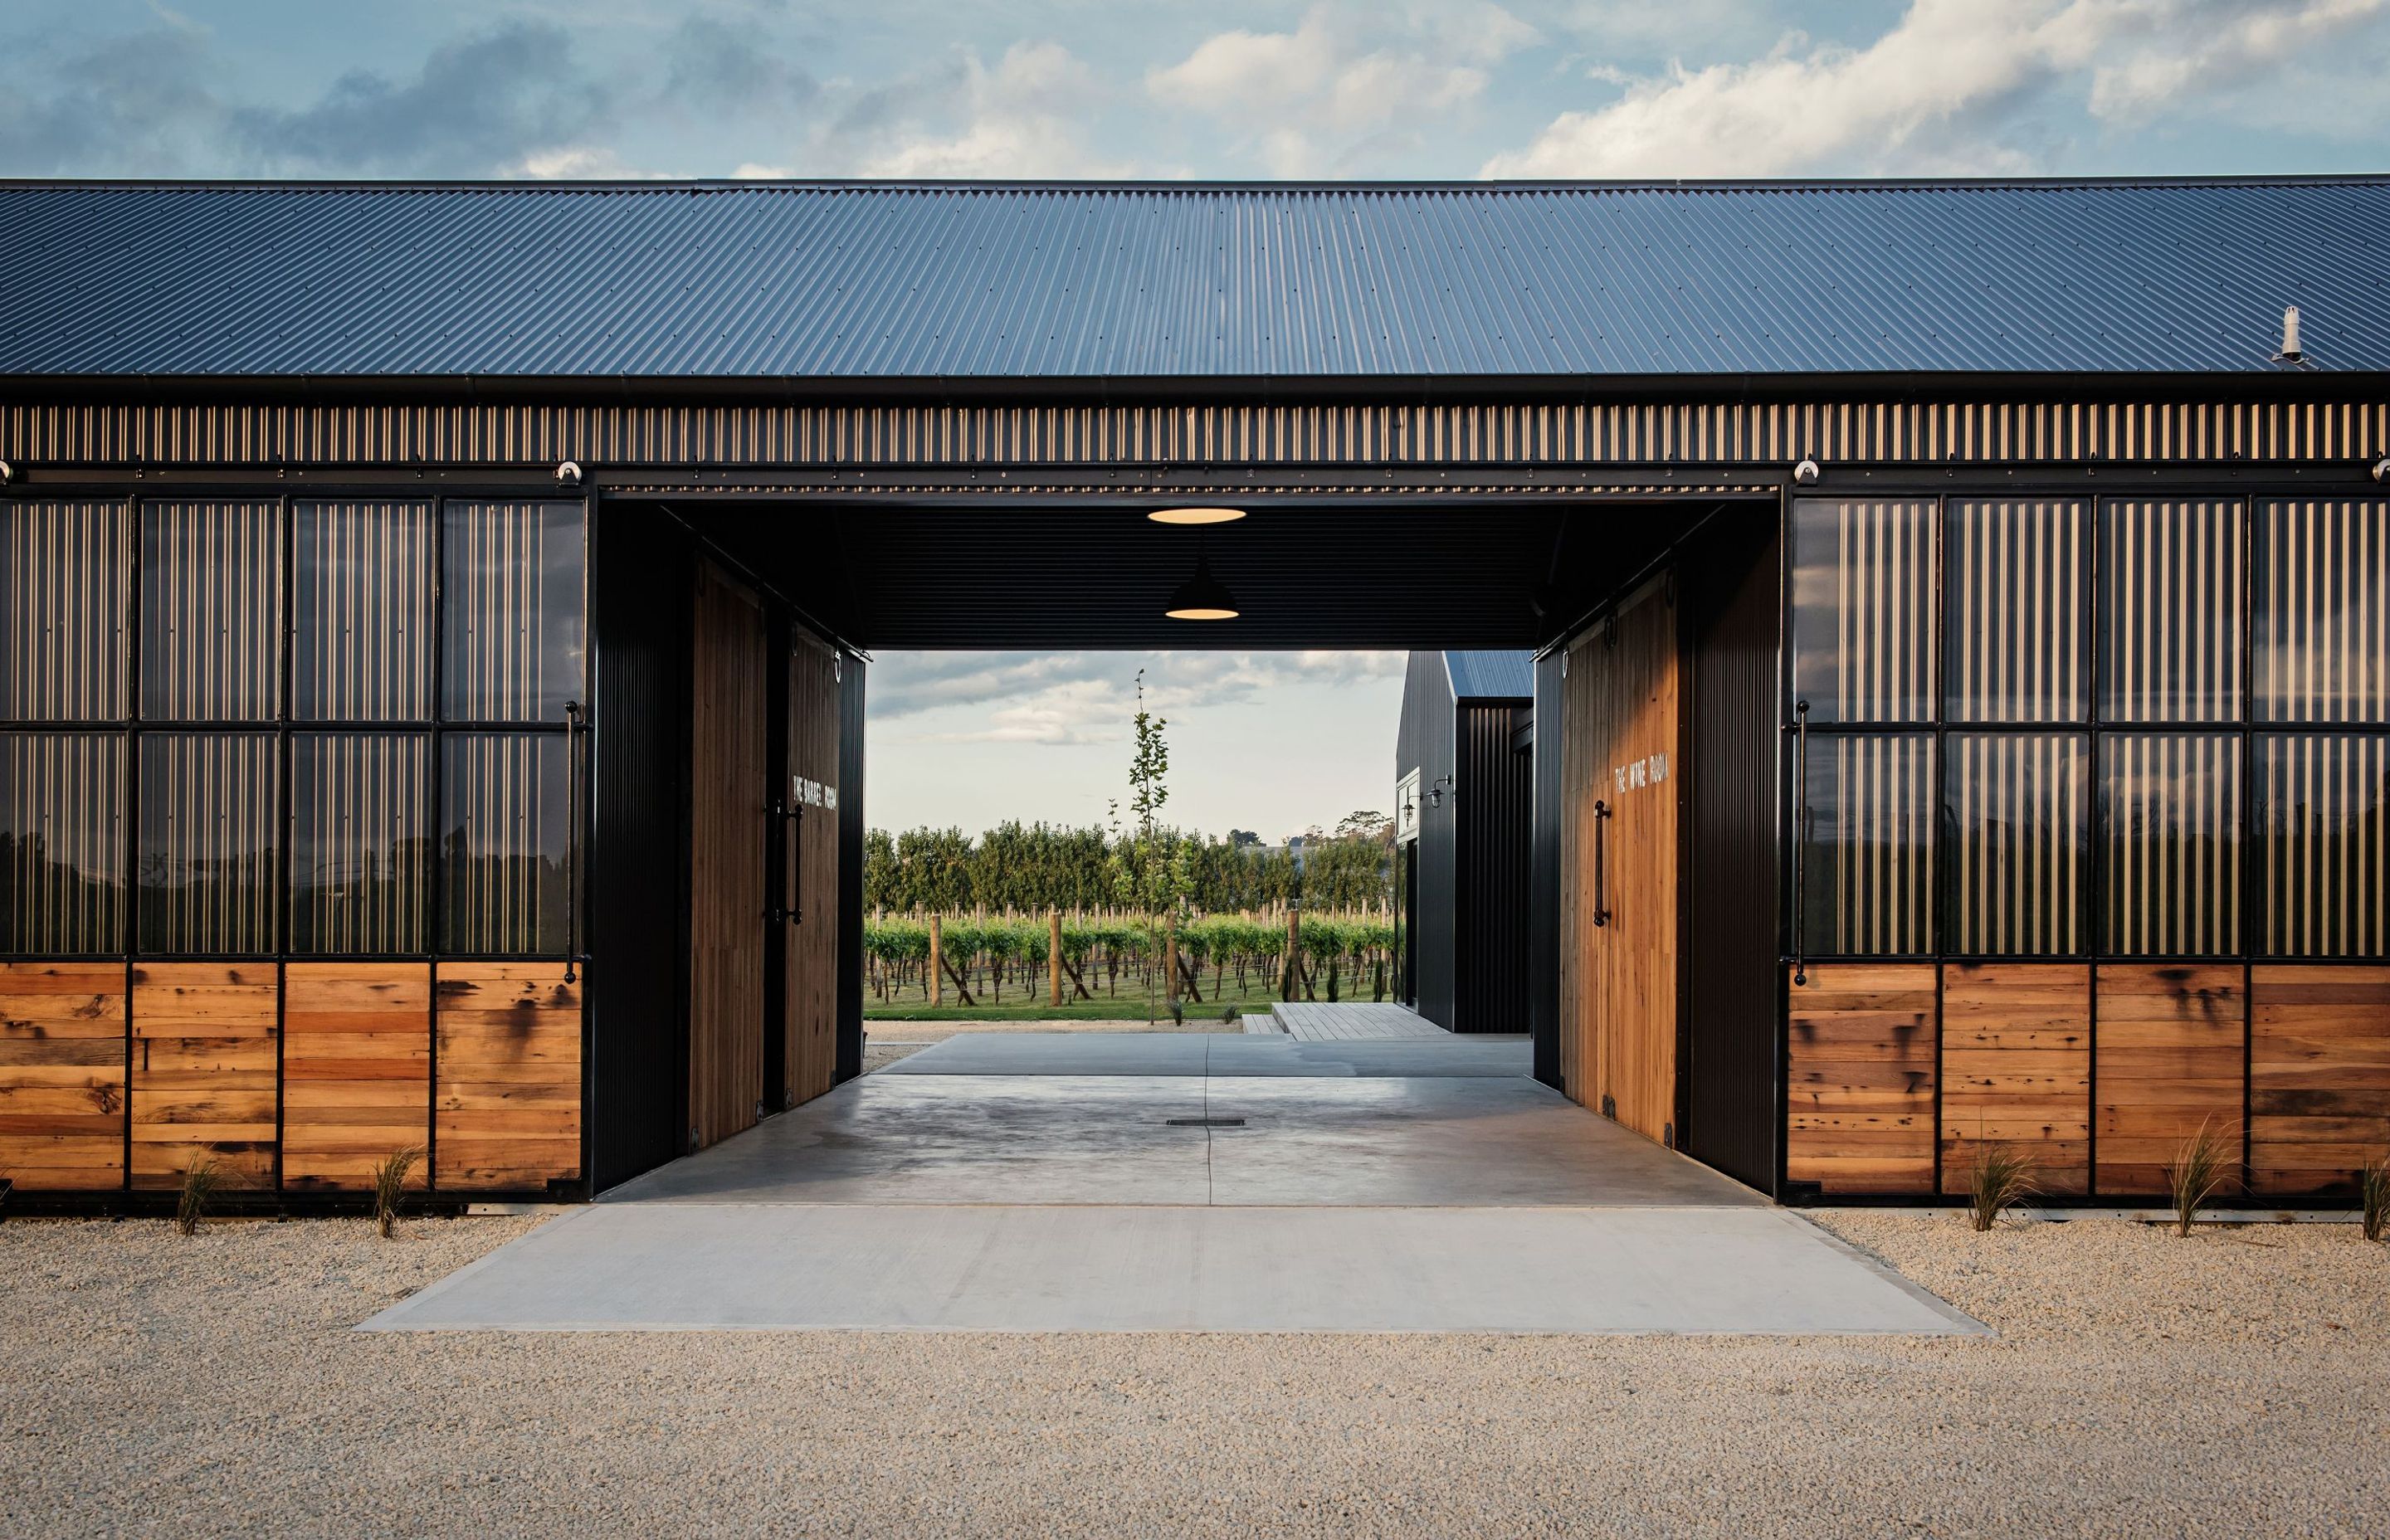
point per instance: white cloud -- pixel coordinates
(1075, 697)
(1025, 116)
(1342, 82)
(1928, 95)
(2228, 46)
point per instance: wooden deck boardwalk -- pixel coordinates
(1349, 1020)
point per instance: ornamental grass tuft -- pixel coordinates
(2202, 1171)
(389, 1187)
(2000, 1178)
(200, 1180)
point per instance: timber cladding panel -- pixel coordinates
(2016, 1070)
(507, 1106)
(1859, 1067)
(2318, 1075)
(2170, 1057)
(356, 1072)
(1618, 961)
(62, 1076)
(811, 1014)
(731, 675)
(206, 1063)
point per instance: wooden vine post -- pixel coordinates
(1293, 952)
(1054, 958)
(1170, 952)
(937, 962)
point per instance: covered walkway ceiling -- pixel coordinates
(1392, 572)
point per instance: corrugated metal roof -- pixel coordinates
(1491, 675)
(896, 281)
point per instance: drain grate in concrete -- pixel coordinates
(1205, 1123)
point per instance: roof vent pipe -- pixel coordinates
(2290, 354)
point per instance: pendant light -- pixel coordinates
(1196, 515)
(1202, 597)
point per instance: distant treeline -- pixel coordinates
(1031, 867)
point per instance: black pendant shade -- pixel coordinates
(1202, 597)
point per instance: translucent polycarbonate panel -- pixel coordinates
(2172, 812)
(511, 599)
(2170, 605)
(62, 596)
(504, 842)
(209, 851)
(1863, 610)
(1868, 846)
(211, 611)
(2018, 808)
(61, 844)
(2323, 823)
(361, 632)
(360, 842)
(2016, 591)
(2319, 636)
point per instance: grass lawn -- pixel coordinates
(1125, 1006)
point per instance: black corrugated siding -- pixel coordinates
(850, 869)
(1544, 876)
(639, 764)
(1728, 1097)
(1424, 743)
(1494, 812)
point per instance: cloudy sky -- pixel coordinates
(1227, 89)
(1224, 89)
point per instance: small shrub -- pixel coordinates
(390, 1186)
(2373, 1198)
(1999, 1180)
(2202, 1170)
(200, 1180)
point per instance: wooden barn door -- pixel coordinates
(730, 791)
(812, 871)
(1619, 765)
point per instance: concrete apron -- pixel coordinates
(1364, 1194)
(708, 1267)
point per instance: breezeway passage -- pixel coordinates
(1184, 1182)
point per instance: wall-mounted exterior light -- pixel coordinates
(1807, 472)
(569, 473)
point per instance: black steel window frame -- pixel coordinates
(2245, 729)
(283, 727)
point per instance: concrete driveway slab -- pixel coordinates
(666, 1267)
(958, 1139)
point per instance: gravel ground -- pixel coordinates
(2231, 1383)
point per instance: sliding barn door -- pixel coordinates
(729, 785)
(1620, 769)
(812, 877)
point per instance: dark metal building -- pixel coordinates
(1463, 812)
(434, 623)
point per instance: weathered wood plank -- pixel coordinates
(2016, 1070)
(205, 1054)
(2319, 1075)
(1860, 1069)
(356, 1072)
(2171, 1044)
(508, 1107)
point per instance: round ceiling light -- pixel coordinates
(1202, 597)
(1196, 515)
